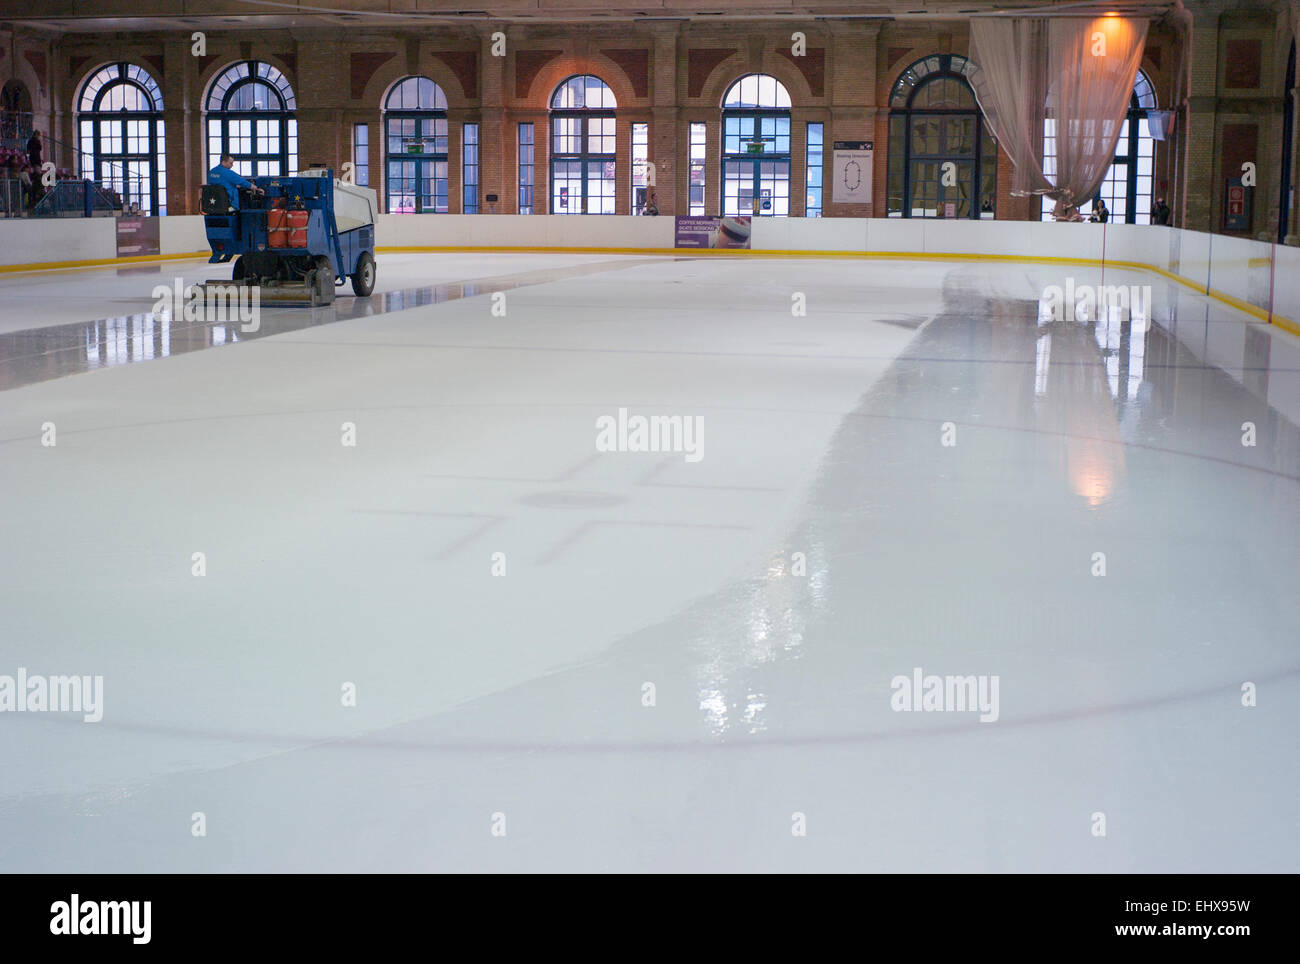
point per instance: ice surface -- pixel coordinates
(522, 693)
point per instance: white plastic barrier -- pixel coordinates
(1139, 243)
(1284, 393)
(1189, 257)
(1251, 272)
(807, 234)
(57, 240)
(522, 231)
(183, 234)
(1286, 284)
(1241, 269)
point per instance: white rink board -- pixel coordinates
(1235, 267)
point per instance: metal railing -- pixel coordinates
(22, 193)
(76, 199)
(14, 195)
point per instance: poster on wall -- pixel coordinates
(702, 232)
(851, 171)
(137, 236)
(1236, 206)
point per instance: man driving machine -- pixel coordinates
(225, 175)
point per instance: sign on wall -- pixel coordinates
(709, 232)
(1236, 206)
(851, 172)
(137, 236)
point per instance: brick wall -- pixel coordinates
(663, 74)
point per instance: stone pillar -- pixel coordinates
(496, 145)
(186, 153)
(320, 100)
(1200, 131)
(852, 79)
(669, 145)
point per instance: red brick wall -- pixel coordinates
(665, 75)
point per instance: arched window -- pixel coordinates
(120, 136)
(415, 127)
(756, 147)
(250, 116)
(582, 147)
(934, 121)
(1127, 187)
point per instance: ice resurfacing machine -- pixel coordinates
(306, 234)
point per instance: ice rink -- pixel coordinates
(572, 659)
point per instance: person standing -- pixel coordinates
(34, 150)
(1160, 212)
(1100, 212)
(652, 205)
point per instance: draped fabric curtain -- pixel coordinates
(1077, 72)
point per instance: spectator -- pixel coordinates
(652, 205)
(1100, 213)
(34, 148)
(1160, 212)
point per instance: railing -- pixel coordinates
(25, 195)
(77, 199)
(68, 198)
(13, 197)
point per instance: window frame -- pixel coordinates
(527, 168)
(1132, 148)
(912, 82)
(222, 90)
(754, 118)
(580, 120)
(96, 124)
(814, 165)
(437, 161)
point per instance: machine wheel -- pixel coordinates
(321, 283)
(363, 281)
(239, 271)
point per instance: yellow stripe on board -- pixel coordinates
(1286, 324)
(99, 262)
(1281, 321)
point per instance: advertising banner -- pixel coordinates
(137, 236)
(707, 232)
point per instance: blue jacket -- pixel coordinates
(231, 181)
